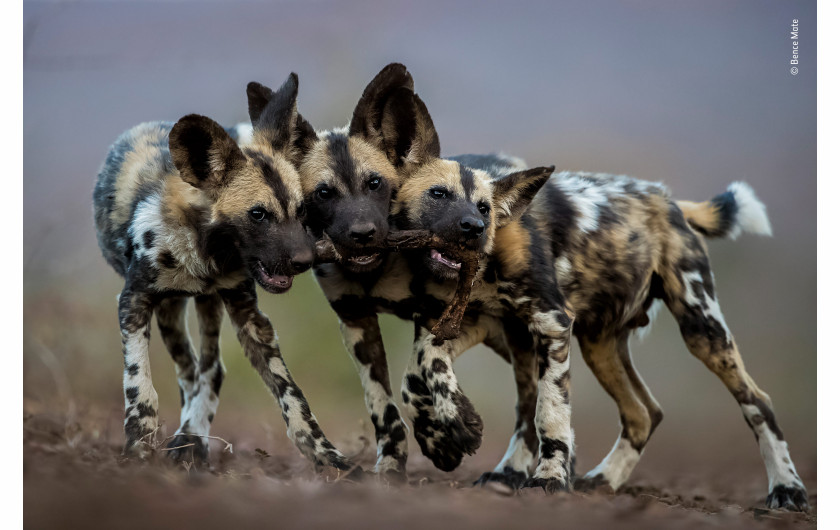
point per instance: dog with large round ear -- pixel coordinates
(392, 118)
(204, 153)
(367, 116)
(276, 120)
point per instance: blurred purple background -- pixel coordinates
(692, 94)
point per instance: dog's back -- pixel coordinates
(136, 166)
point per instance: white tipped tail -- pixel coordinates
(729, 214)
(751, 216)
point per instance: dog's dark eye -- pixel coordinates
(374, 183)
(438, 193)
(301, 211)
(483, 208)
(258, 214)
(324, 193)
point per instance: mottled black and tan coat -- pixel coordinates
(183, 212)
(594, 250)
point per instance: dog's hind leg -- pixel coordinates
(199, 380)
(141, 399)
(608, 356)
(690, 296)
(515, 465)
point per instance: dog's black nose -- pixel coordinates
(362, 234)
(301, 261)
(472, 227)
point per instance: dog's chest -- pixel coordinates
(170, 252)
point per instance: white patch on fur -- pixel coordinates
(752, 214)
(780, 468)
(198, 409)
(588, 193)
(554, 419)
(517, 456)
(617, 466)
(562, 268)
(180, 241)
(277, 367)
(244, 133)
(711, 309)
(652, 313)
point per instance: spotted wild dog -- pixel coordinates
(181, 211)
(350, 177)
(617, 246)
(348, 182)
(538, 268)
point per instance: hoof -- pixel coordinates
(188, 448)
(593, 483)
(793, 498)
(549, 485)
(509, 478)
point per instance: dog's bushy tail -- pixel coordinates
(729, 214)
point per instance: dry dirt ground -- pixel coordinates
(75, 477)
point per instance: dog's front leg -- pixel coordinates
(141, 399)
(255, 333)
(363, 341)
(552, 335)
(446, 425)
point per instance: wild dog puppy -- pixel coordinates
(617, 246)
(348, 182)
(391, 139)
(181, 211)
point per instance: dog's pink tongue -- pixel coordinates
(277, 280)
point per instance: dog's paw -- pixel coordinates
(188, 448)
(465, 430)
(508, 478)
(592, 483)
(792, 497)
(549, 485)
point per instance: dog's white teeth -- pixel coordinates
(440, 258)
(364, 260)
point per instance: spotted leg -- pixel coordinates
(609, 359)
(690, 296)
(515, 465)
(551, 330)
(363, 340)
(200, 381)
(141, 399)
(255, 333)
(446, 425)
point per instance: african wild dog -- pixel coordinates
(392, 142)
(181, 211)
(617, 247)
(607, 247)
(349, 181)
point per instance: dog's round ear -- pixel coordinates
(277, 121)
(367, 116)
(203, 152)
(513, 193)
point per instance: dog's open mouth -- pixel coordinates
(363, 261)
(273, 283)
(446, 260)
